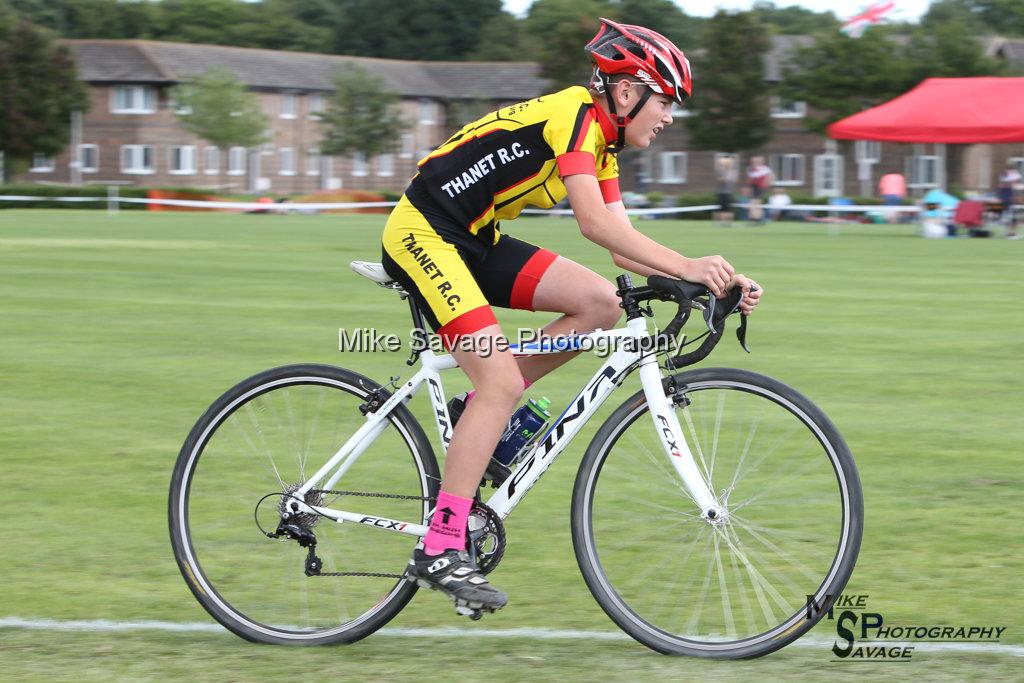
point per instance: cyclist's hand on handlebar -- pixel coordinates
(714, 272)
(751, 292)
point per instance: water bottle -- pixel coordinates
(523, 430)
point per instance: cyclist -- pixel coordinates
(443, 243)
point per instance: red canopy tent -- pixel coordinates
(946, 110)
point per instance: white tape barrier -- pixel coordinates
(632, 212)
(298, 207)
(206, 204)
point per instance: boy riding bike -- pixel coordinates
(443, 243)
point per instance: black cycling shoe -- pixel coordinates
(496, 472)
(457, 576)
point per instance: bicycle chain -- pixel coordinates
(367, 494)
(490, 563)
(375, 575)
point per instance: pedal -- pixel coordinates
(473, 610)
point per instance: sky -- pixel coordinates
(906, 10)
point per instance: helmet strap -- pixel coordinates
(621, 121)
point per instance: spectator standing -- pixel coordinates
(893, 188)
(777, 204)
(726, 175)
(1008, 181)
(759, 179)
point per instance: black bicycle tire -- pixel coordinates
(586, 556)
(400, 417)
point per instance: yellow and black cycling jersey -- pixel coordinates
(512, 158)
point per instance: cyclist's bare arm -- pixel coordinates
(619, 209)
(612, 230)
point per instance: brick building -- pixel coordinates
(131, 135)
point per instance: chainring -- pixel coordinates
(486, 537)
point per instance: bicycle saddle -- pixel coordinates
(372, 271)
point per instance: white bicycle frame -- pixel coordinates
(551, 444)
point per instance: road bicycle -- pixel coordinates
(710, 510)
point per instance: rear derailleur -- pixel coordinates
(305, 538)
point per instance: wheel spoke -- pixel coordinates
(258, 585)
(745, 576)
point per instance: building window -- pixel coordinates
(407, 146)
(236, 161)
(869, 151)
(428, 112)
(359, 164)
(88, 158)
(922, 171)
(181, 160)
(788, 169)
(288, 106)
(313, 161)
(645, 168)
(828, 175)
(211, 160)
(132, 99)
(136, 159)
(673, 167)
(386, 165)
(788, 109)
(1018, 162)
(316, 105)
(41, 163)
(287, 157)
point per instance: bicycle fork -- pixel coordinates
(666, 424)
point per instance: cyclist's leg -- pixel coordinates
(588, 302)
(516, 274)
(434, 271)
(498, 384)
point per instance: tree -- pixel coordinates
(793, 20)
(557, 30)
(839, 76)
(501, 40)
(942, 51)
(362, 116)
(730, 101)
(39, 89)
(663, 16)
(1002, 16)
(217, 108)
(412, 29)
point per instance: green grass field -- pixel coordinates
(118, 332)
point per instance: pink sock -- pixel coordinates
(448, 526)
(526, 385)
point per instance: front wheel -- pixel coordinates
(739, 586)
(245, 456)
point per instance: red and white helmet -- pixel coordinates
(642, 53)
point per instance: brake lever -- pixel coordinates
(741, 332)
(709, 313)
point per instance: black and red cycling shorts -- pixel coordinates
(455, 276)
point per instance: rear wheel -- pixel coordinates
(261, 440)
(737, 587)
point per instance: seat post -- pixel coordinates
(417, 315)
